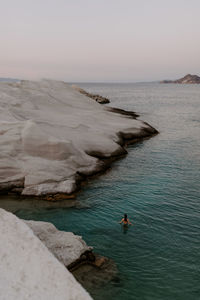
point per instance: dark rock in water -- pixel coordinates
(97, 98)
(96, 273)
(188, 79)
(120, 111)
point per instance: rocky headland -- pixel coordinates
(52, 138)
(188, 79)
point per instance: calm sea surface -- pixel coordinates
(157, 184)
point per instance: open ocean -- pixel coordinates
(157, 184)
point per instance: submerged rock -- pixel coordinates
(28, 269)
(96, 274)
(52, 137)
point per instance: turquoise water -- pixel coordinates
(157, 185)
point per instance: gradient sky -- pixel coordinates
(99, 40)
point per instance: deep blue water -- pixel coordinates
(158, 185)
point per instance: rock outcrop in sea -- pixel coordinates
(188, 79)
(97, 98)
(52, 138)
(28, 269)
(66, 246)
(90, 269)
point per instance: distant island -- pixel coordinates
(188, 79)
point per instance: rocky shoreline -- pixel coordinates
(27, 152)
(90, 269)
(106, 163)
(97, 98)
(16, 187)
(57, 138)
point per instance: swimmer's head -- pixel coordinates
(125, 217)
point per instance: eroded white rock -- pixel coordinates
(49, 132)
(66, 246)
(28, 269)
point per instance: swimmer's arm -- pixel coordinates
(121, 221)
(129, 222)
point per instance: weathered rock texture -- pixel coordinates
(52, 137)
(188, 79)
(28, 269)
(66, 246)
(97, 98)
(90, 269)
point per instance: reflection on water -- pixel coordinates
(15, 203)
(125, 228)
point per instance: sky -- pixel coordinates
(99, 40)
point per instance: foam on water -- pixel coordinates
(157, 184)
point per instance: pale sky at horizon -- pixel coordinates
(99, 40)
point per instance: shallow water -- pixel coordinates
(157, 184)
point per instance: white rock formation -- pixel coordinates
(28, 269)
(49, 132)
(66, 246)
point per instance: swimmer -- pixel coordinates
(125, 220)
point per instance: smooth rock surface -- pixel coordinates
(28, 269)
(50, 134)
(66, 246)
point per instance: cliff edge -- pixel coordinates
(52, 137)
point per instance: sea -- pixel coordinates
(157, 184)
